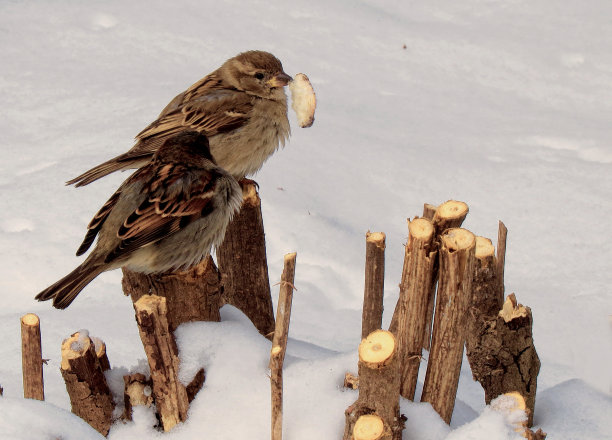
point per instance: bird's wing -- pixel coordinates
(177, 196)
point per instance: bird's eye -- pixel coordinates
(259, 75)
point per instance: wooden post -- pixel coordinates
(31, 358)
(137, 392)
(502, 234)
(279, 344)
(374, 283)
(415, 286)
(242, 261)
(192, 295)
(159, 344)
(379, 386)
(454, 292)
(90, 397)
(505, 359)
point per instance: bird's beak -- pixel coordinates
(280, 80)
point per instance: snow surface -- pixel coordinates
(502, 104)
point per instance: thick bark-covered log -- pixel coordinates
(169, 393)
(415, 286)
(242, 261)
(192, 295)
(457, 250)
(279, 345)
(31, 358)
(505, 358)
(379, 386)
(138, 391)
(374, 283)
(90, 397)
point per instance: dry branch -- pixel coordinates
(457, 249)
(242, 261)
(192, 295)
(138, 391)
(502, 234)
(159, 344)
(90, 397)
(31, 358)
(379, 386)
(415, 286)
(279, 344)
(374, 283)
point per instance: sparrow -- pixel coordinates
(241, 107)
(166, 216)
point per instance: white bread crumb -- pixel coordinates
(303, 100)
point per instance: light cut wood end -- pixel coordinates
(451, 209)
(368, 427)
(275, 350)
(289, 257)
(303, 100)
(151, 304)
(73, 347)
(512, 310)
(377, 238)
(250, 195)
(507, 404)
(377, 349)
(139, 393)
(100, 346)
(351, 381)
(484, 248)
(456, 239)
(429, 211)
(421, 228)
(30, 319)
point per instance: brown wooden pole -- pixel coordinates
(454, 292)
(243, 263)
(90, 397)
(31, 358)
(191, 295)
(159, 344)
(420, 254)
(502, 235)
(279, 344)
(374, 283)
(379, 386)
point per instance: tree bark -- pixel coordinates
(90, 397)
(169, 393)
(31, 358)
(379, 386)
(279, 345)
(100, 348)
(415, 286)
(374, 283)
(192, 295)
(457, 247)
(504, 359)
(243, 263)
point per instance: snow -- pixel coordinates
(502, 104)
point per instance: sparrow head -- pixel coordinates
(257, 73)
(186, 147)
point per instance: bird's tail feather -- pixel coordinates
(64, 291)
(121, 162)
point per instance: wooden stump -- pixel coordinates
(169, 393)
(31, 358)
(505, 359)
(279, 345)
(100, 348)
(415, 286)
(90, 397)
(138, 391)
(192, 295)
(374, 283)
(510, 403)
(454, 292)
(379, 386)
(243, 263)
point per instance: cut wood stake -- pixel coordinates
(454, 292)
(100, 347)
(90, 397)
(279, 344)
(159, 344)
(137, 392)
(243, 263)
(374, 283)
(369, 427)
(31, 358)
(502, 234)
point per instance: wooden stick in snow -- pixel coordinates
(31, 358)
(374, 283)
(159, 344)
(242, 261)
(137, 392)
(279, 344)
(90, 397)
(502, 234)
(454, 292)
(379, 386)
